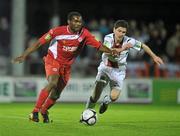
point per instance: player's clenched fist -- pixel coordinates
(114, 52)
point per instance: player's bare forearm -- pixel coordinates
(148, 51)
(28, 51)
(155, 58)
(105, 49)
(31, 49)
(125, 47)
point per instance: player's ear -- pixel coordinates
(68, 22)
(114, 30)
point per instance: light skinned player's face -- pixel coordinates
(75, 23)
(119, 32)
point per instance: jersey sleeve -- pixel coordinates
(107, 41)
(135, 43)
(91, 41)
(48, 36)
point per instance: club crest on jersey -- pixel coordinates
(80, 39)
(55, 69)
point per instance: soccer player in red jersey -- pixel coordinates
(66, 42)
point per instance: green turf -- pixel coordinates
(119, 120)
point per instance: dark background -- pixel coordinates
(146, 10)
(39, 12)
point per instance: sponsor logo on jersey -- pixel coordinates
(70, 48)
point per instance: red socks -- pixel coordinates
(49, 102)
(41, 99)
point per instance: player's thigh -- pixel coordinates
(55, 94)
(61, 84)
(117, 79)
(64, 78)
(53, 79)
(52, 67)
(101, 75)
(66, 73)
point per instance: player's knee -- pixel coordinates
(114, 98)
(55, 97)
(115, 94)
(53, 84)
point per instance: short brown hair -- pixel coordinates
(121, 23)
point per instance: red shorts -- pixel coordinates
(53, 67)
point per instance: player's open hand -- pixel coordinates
(19, 59)
(158, 60)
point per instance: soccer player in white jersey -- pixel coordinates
(112, 69)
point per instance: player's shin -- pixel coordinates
(44, 110)
(41, 99)
(96, 94)
(47, 105)
(90, 103)
(108, 99)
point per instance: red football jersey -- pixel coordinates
(66, 46)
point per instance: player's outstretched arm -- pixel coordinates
(107, 50)
(125, 47)
(28, 51)
(155, 58)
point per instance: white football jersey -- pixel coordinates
(120, 59)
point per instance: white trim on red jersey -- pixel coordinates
(53, 49)
(67, 37)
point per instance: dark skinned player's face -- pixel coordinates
(75, 23)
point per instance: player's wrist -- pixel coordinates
(24, 56)
(114, 52)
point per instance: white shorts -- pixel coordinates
(114, 76)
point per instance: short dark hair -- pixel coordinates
(121, 23)
(73, 13)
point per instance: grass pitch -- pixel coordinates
(119, 120)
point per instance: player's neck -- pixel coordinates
(118, 41)
(70, 30)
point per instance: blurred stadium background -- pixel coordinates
(154, 22)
